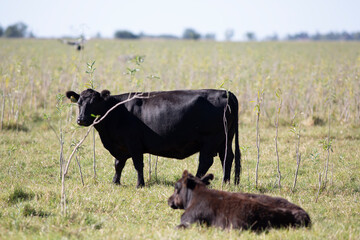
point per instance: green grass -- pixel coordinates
(306, 72)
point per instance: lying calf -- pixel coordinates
(232, 210)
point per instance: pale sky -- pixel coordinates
(47, 18)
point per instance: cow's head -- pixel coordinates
(184, 189)
(91, 104)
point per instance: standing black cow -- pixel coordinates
(174, 124)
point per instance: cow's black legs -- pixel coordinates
(228, 162)
(119, 165)
(139, 166)
(205, 161)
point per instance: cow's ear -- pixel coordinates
(105, 94)
(207, 178)
(73, 96)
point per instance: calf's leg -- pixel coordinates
(187, 218)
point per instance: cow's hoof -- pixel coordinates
(237, 181)
(140, 185)
(116, 181)
(226, 180)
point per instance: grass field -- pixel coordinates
(317, 80)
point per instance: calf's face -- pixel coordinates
(90, 104)
(184, 187)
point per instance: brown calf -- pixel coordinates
(232, 210)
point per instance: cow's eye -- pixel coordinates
(93, 100)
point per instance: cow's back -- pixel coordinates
(176, 123)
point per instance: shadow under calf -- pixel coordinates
(232, 210)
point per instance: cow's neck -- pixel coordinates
(105, 124)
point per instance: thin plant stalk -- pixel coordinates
(357, 104)
(81, 175)
(2, 111)
(94, 162)
(276, 137)
(258, 157)
(61, 158)
(91, 84)
(318, 192)
(296, 171)
(258, 108)
(298, 159)
(63, 194)
(328, 148)
(149, 167)
(156, 162)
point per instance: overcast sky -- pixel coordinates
(47, 18)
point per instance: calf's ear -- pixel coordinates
(190, 183)
(188, 180)
(207, 178)
(185, 174)
(105, 94)
(73, 96)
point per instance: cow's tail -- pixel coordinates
(237, 149)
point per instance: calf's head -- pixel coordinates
(184, 188)
(91, 104)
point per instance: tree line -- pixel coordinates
(189, 33)
(192, 34)
(19, 30)
(331, 36)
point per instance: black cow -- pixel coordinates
(232, 210)
(173, 124)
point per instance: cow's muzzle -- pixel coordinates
(83, 122)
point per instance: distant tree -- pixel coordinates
(299, 36)
(31, 35)
(317, 36)
(250, 36)
(356, 36)
(1, 31)
(347, 36)
(274, 37)
(142, 35)
(210, 36)
(229, 34)
(191, 34)
(331, 36)
(98, 35)
(167, 36)
(17, 30)
(125, 35)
